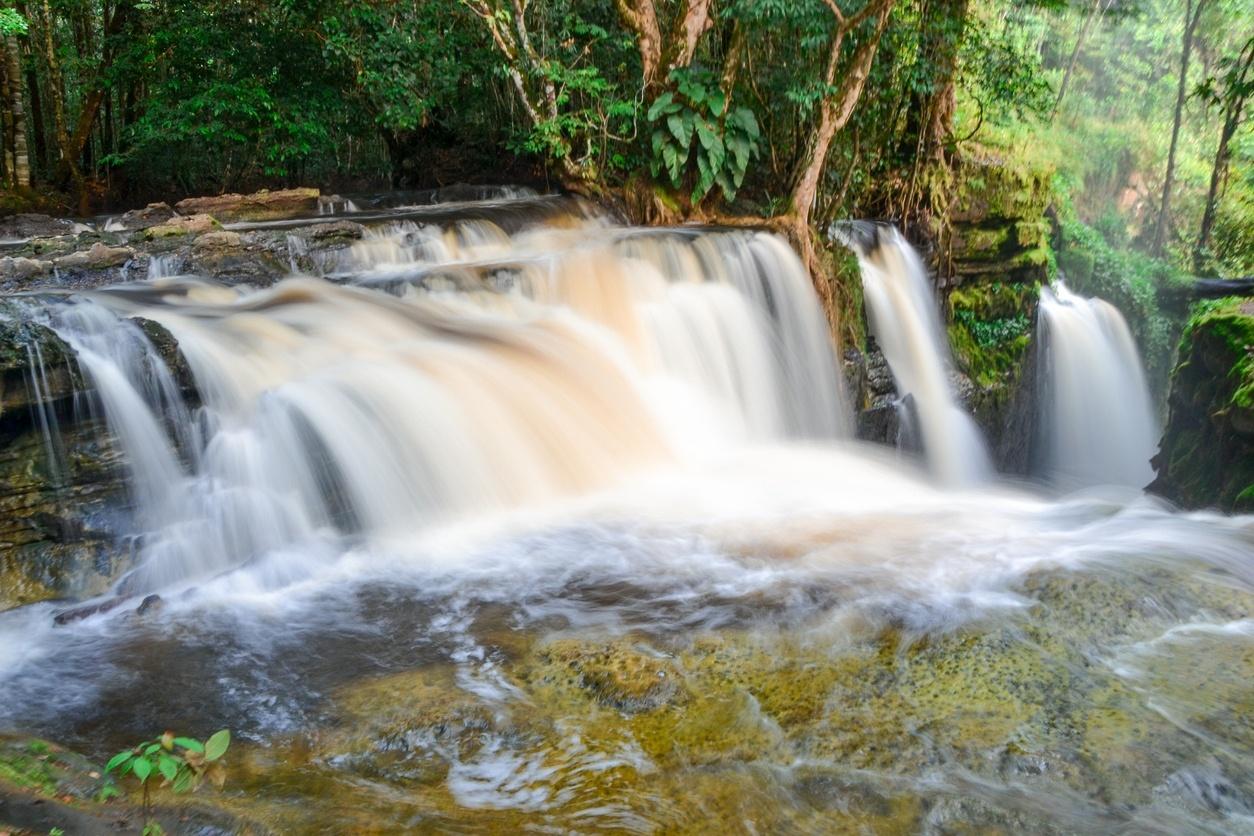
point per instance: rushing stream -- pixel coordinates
(562, 528)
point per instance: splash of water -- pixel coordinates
(906, 324)
(1099, 421)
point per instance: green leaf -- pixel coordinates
(659, 105)
(674, 165)
(142, 769)
(151, 748)
(216, 745)
(189, 744)
(718, 102)
(168, 767)
(184, 781)
(728, 186)
(117, 760)
(681, 126)
(713, 145)
(705, 177)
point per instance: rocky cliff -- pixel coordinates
(1206, 458)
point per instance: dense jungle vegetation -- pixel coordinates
(802, 111)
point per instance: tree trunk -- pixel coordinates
(834, 112)
(13, 75)
(1193, 13)
(947, 26)
(1219, 172)
(1075, 53)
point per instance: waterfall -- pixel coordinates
(1098, 417)
(450, 371)
(905, 321)
(165, 265)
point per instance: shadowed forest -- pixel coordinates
(808, 111)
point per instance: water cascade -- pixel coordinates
(903, 318)
(520, 519)
(1097, 415)
(499, 372)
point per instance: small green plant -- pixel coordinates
(695, 116)
(180, 762)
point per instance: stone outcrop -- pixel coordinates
(195, 224)
(22, 227)
(63, 497)
(140, 219)
(1206, 458)
(259, 206)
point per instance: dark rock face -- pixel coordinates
(1206, 457)
(64, 506)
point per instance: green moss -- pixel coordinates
(990, 329)
(1230, 321)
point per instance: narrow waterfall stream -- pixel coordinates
(904, 318)
(514, 517)
(1098, 416)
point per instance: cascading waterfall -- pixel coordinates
(903, 318)
(515, 518)
(499, 372)
(1098, 417)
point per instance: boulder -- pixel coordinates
(182, 225)
(1206, 457)
(23, 268)
(151, 215)
(221, 240)
(260, 206)
(98, 257)
(23, 227)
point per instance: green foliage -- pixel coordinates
(991, 327)
(180, 763)
(693, 121)
(12, 23)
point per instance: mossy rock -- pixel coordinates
(1206, 457)
(619, 674)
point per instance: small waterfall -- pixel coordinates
(1098, 416)
(165, 265)
(45, 413)
(557, 363)
(906, 324)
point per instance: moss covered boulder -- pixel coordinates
(1206, 458)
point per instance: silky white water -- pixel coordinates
(393, 515)
(1098, 418)
(904, 319)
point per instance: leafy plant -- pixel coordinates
(694, 120)
(180, 762)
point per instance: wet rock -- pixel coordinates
(151, 215)
(150, 604)
(88, 610)
(168, 350)
(49, 248)
(182, 225)
(234, 258)
(62, 493)
(1206, 457)
(99, 257)
(260, 206)
(221, 240)
(23, 268)
(330, 232)
(618, 674)
(21, 227)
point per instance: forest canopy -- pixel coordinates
(799, 110)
